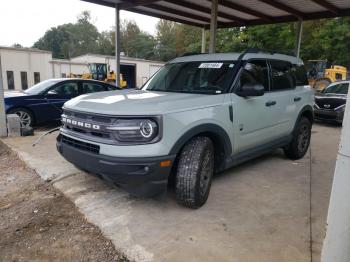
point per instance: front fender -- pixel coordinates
(212, 129)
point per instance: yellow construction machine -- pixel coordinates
(99, 71)
(321, 73)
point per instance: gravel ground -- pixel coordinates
(37, 223)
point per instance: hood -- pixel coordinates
(9, 94)
(140, 102)
(330, 101)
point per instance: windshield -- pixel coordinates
(40, 87)
(341, 89)
(193, 77)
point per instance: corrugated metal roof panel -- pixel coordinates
(341, 4)
(305, 6)
(235, 13)
(248, 12)
(145, 8)
(261, 7)
(180, 9)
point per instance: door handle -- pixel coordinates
(270, 103)
(296, 99)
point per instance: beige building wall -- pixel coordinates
(30, 61)
(63, 68)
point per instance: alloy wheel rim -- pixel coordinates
(303, 138)
(24, 118)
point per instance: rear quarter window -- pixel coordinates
(300, 75)
(282, 75)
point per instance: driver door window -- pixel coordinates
(66, 90)
(255, 72)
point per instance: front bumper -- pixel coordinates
(138, 176)
(329, 115)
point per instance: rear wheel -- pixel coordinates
(299, 145)
(194, 172)
(25, 116)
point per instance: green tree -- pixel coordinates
(69, 40)
(166, 40)
(134, 42)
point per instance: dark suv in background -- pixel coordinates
(330, 102)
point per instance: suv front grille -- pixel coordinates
(89, 117)
(81, 145)
(98, 134)
(88, 132)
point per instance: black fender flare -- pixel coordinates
(305, 110)
(213, 129)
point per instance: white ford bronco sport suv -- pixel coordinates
(198, 115)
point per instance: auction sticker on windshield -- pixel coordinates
(210, 65)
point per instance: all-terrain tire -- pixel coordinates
(299, 145)
(194, 172)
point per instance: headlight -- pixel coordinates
(340, 108)
(135, 130)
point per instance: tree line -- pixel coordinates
(321, 39)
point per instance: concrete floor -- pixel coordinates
(258, 211)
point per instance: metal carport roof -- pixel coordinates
(233, 13)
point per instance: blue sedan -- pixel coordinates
(43, 102)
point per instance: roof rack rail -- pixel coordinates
(255, 50)
(192, 53)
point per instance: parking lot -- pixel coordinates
(258, 211)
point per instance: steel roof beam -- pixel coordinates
(166, 17)
(130, 4)
(101, 2)
(179, 13)
(203, 9)
(332, 8)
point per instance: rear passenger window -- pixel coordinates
(282, 75)
(300, 75)
(255, 72)
(67, 89)
(93, 87)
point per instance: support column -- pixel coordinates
(3, 128)
(298, 38)
(213, 26)
(117, 44)
(336, 246)
(203, 40)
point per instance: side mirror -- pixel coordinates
(52, 93)
(251, 90)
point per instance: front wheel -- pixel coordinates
(299, 145)
(194, 172)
